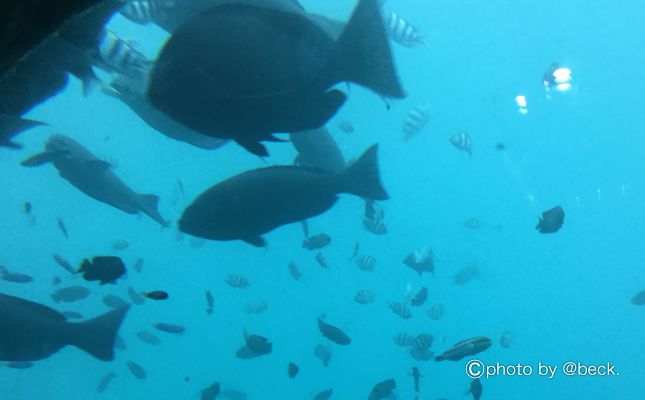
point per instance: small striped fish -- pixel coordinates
(423, 341)
(401, 310)
(400, 31)
(144, 11)
(366, 263)
(375, 226)
(506, 340)
(364, 297)
(435, 312)
(462, 142)
(121, 56)
(237, 281)
(256, 307)
(403, 339)
(415, 121)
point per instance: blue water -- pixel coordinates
(564, 297)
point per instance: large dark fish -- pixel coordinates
(551, 220)
(333, 333)
(248, 205)
(465, 348)
(247, 69)
(382, 390)
(32, 331)
(105, 269)
(94, 177)
(132, 92)
(317, 148)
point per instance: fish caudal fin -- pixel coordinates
(97, 336)
(363, 53)
(362, 177)
(11, 126)
(149, 204)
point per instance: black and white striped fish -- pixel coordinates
(462, 142)
(144, 11)
(403, 339)
(366, 263)
(415, 121)
(237, 281)
(423, 341)
(364, 297)
(401, 310)
(375, 226)
(120, 55)
(400, 31)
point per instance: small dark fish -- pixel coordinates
(119, 343)
(169, 328)
(333, 333)
(211, 392)
(19, 364)
(237, 281)
(105, 269)
(421, 260)
(323, 353)
(462, 142)
(364, 297)
(15, 277)
(64, 263)
(27, 208)
(375, 226)
(56, 280)
(382, 390)
(476, 389)
(138, 265)
(465, 348)
(500, 147)
(114, 301)
(401, 310)
(294, 271)
(506, 339)
(366, 263)
(209, 302)
(322, 260)
(639, 298)
(305, 227)
(136, 370)
(435, 312)
(292, 370)
(156, 295)
(346, 126)
(324, 395)
(357, 248)
(70, 294)
(135, 297)
(551, 220)
(415, 121)
(149, 338)
(120, 244)
(472, 223)
(416, 376)
(255, 346)
(317, 242)
(466, 275)
(62, 227)
(104, 383)
(420, 298)
(72, 315)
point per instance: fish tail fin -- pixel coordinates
(11, 125)
(363, 53)
(149, 205)
(362, 177)
(97, 336)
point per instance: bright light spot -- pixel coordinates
(563, 87)
(562, 75)
(523, 111)
(521, 101)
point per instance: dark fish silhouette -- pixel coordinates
(105, 269)
(94, 177)
(169, 328)
(317, 242)
(114, 301)
(292, 370)
(137, 370)
(70, 294)
(639, 298)
(15, 277)
(104, 383)
(465, 348)
(476, 389)
(420, 298)
(138, 265)
(211, 392)
(253, 203)
(416, 376)
(323, 353)
(209, 303)
(420, 260)
(294, 271)
(62, 227)
(255, 346)
(324, 395)
(64, 263)
(382, 390)
(32, 331)
(247, 69)
(156, 295)
(333, 333)
(317, 148)
(27, 208)
(11, 126)
(551, 220)
(149, 338)
(135, 297)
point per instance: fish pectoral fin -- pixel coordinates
(43, 158)
(97, 167)
(256, 241)
(254, 147)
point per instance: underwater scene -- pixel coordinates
(307, 199)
